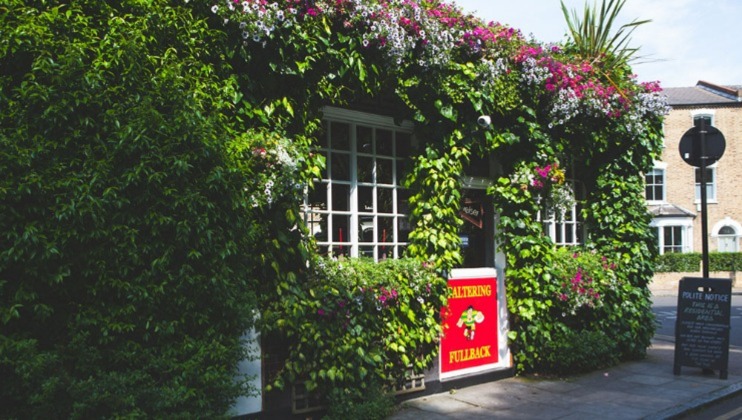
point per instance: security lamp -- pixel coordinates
(484, 121)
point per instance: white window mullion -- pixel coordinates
(355, 220)
(395, 197)
(353, 228)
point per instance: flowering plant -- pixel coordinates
(583, 278)
(444, 69)
(356, 322)
(548, 183)
(275, 164)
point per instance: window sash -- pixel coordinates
(358, 207)
(655, 185)
(710, 184)
(672, 239)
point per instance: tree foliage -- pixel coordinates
(125, 266)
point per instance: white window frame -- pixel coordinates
(662, 168)
(705, 112)
(686, 232)
(710, 187)
(711, 196)
(352, 244)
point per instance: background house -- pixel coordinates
(673, 186)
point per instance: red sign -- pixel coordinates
(470, 326)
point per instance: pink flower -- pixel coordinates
(544, 172)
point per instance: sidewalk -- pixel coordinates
(633, 390)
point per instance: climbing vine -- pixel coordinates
(557, 123)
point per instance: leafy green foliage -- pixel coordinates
(153, 157)
(725, 261)
(691, 262)
(356, 324)
(593, 39)
(676, 262)
(571, 352)
(374, 404)
(435, 207)
(125, 266)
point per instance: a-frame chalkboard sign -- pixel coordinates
(702, 325)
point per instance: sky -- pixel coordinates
(686, 40)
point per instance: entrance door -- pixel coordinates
(477, 232)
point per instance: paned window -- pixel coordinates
(674, 234)
(566, 228)
(655, 185)
(707, 118)
(672, 239)
(710, 184)
(358, 207)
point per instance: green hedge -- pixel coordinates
(355, 325)
(725, 261)
(691, 262)
(126, 279)
(675, 262)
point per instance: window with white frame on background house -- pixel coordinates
(673, 234)
(359, 208)
(710, 184)
(671, 239)
(654, 186)
(707, 117)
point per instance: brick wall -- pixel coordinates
(680, 177)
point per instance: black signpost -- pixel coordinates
(702, 325)
(702, 146)
(704, 304)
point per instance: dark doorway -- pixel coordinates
(477, 232)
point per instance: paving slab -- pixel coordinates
(646, 388)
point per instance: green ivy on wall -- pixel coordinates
(163, 148)
(552, 114)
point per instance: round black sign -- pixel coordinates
(690, 146)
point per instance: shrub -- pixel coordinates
(676, 262)
(725, 261)
(372, 404)
(570, 352)
(355, 324)
(691, 262)
(125, 236)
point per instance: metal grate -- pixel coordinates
(303, 401)
(412, 383)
